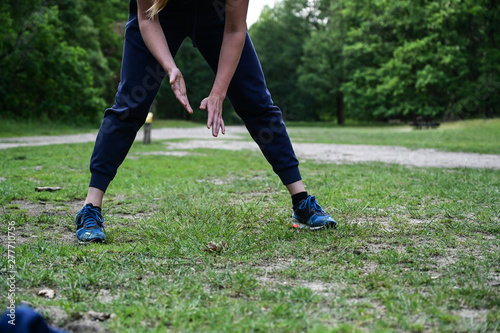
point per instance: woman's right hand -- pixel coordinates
(179, 87)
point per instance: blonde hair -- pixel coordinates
(156, 7)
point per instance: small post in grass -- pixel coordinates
(147, 129)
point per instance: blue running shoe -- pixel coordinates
(90, 224)
(310, 215)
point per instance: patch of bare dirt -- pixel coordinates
(86, 323)
(61, 219)
(84, 326)
(275, 265)
(254, 196)
(232, 132)
(112, 213)
(218, 181)
(128, 217)
(378, 247)
(472, 315)
(326, 289)
(54, 315)
(374, 304)
(339, 154)
(105, 296)
(494, 279)
(170, 153)
(47, 208)
(369, 267)
(383, 223)
(268, 277)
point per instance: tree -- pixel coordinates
(53, 64)
(322, 70)
(403, 59)
(279, 36)
(42, 75)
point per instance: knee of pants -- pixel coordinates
(252, 102)
(137, 91)
(126, 109)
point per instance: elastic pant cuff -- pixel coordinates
(289, 176)
(100, 181)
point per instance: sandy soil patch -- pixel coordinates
(339, 154)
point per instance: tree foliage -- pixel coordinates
(279, 36)
(396, 59)
(323, 59)
(58, 58)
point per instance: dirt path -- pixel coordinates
(331, 153)
(156, 134)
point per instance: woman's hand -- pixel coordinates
(179, 87)
(235, 29)
(213, 105)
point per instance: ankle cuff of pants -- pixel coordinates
(289, 176)
(100, 181)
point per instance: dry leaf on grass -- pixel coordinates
(47, 293)
(215, 247)
(100, 316)
(48, 189)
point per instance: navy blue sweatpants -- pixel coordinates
(141, 76)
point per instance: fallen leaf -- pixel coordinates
(48, 189)
(215, 247)
(47, 293)
(100, 316)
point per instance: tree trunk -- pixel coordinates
(340, 108)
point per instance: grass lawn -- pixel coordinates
(13, 128)
(415, 250)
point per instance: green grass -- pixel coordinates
(416, 249)
(13, 128)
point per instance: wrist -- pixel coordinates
(169, 68)
(218, 93)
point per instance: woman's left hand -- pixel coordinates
(213, 105)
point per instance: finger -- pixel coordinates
(188, 108)
(215, 127)
(183, 99)
(223, 126)
(210, 119)
(186, 104)
(203, 104)
(179, 87)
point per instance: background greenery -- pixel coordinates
(324, 60)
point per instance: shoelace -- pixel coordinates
(90, 217)
(313, 204)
